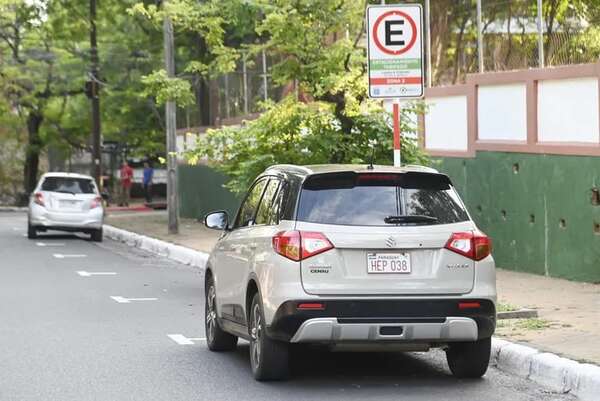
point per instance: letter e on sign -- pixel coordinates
(395, 51)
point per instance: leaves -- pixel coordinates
(292, 132)
(164, 88)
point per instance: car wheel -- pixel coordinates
(31, 231)
(269, 359)
(97, 235)
(469, 359)
(216, 338)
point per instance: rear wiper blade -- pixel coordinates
(415, 218)
(62, 191)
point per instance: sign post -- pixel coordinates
(395, 57)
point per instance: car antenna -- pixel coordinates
(372, 143)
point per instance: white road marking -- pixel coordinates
(63, 256)
(83, 273)
(183, 340)
(123, 300)
(42, 244)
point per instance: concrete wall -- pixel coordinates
(524, 150)
(539, 210)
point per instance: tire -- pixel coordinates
(97, 235)
(469, 359)
(269, 359)
(216, 339)
(31, 231)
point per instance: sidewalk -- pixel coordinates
(192, 234)
(569, 312)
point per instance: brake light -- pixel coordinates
(97, 201)
(472, 244)
(311, 306)
(469, 305)
(300, 245)
(38, 198)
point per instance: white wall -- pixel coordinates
(446, 123)
(502, 112)
(568, 110)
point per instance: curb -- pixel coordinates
(174, 252)
(518, 314)
(559, 374)
(12, 209)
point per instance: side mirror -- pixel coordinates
(217, 220)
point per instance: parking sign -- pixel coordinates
(395, 51)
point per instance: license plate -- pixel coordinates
(388, 263)
(68, 203)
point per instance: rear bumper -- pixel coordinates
(439, 320)
(67, 221)
(332, 330)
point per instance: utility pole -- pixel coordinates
(479, 37)
(94, 89)
(172, 197)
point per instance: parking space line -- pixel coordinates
(83, 273)
(64, 256)
(44, 244)
(123, 300)
(183, 340)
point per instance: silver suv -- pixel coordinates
(352, 257)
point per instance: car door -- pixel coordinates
(234, 252)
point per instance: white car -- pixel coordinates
(353, 257)
(66, 202)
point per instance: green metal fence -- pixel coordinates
(201, 191)
(541, 211)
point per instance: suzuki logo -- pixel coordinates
(390, 242)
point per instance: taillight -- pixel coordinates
(300, 245)
(472, 244)
(38, 198)
(97, 201)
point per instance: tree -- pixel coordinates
(38, 71)
(319, 45)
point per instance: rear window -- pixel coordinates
(68, 185)
(373, 199)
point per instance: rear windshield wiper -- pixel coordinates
(62, 191)
(416, 218)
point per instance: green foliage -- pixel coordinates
(164, 88)
(292, 132)
(317, 43)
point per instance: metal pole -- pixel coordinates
(265, 80)
(245, 83)
(172, 199)
(428, 42)
(96, 168)
(397, 134)
(479, 37)
(540, 26)
(227, 106)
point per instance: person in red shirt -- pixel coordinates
(126, 182)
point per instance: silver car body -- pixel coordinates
(66, 211)
(244, 259)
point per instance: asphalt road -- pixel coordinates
(62, 337)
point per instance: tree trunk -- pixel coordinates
(32, 156)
